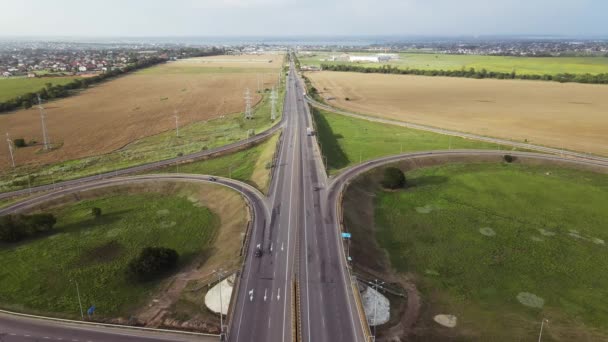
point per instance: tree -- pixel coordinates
(19, 142)
(96, 212)
(508, 158)
(152, 262)
(26, 104)
(393, 178)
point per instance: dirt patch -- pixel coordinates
(541, 112)
(448, 321)
(487, 231)
(530, 300)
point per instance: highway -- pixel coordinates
(300, 244)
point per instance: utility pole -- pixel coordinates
(45, 138)
(540, 335)
(79, 302)
(176, 123)
(10, 148)
(248, 112)
(273, 100)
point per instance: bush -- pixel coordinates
(152, 262)
(347, 99)
(20, 142)
(14, 228)
(508, 158)
(393, 178)
(96, 212)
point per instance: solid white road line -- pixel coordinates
(289, 229)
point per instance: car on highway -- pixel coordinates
(258, 251)
(213, 179)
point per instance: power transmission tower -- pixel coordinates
(45, 138)
(10, 148)
(248, 112)
(273, 100)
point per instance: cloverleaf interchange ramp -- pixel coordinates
(298, 228)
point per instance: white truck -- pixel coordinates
(310, 131)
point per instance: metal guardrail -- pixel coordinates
(106, 325)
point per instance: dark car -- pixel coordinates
(258, 251)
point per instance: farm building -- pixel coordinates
(366, 59)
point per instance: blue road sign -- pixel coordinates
(91, 310)
(346, 235)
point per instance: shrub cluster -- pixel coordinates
(152, 262)
(471, 73)
(14, 228)
(393, 178)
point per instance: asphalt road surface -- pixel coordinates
(19, 329)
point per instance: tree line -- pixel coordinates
(471, 73)
(14, 228)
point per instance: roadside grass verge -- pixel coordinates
(348, 141)
(193, 138)
(249, 165)
(501, 246)
(39, 275)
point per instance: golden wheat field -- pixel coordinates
(112, 114)
(570, 116)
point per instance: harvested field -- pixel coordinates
(113, 114)
(570, 116)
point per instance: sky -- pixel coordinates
(158, 18)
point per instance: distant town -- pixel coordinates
(50, 59)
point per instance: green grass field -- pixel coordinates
(193, 138)
(17, 86)
(243, 165)
(347, 141)
(38, 275)
(476, 237)
(521, 65)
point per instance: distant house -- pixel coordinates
(6, 74)
(82, 68)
